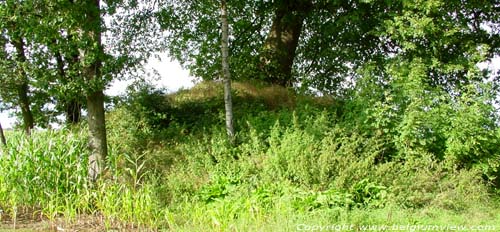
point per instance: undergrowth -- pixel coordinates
(298, 160)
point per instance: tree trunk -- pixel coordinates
(24, 102)
(279, 48)
(23, 87)
(2, 136)
(95, 96)
(225, 72)
(97, 129)
(72, 106)
(73, 111)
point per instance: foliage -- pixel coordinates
(415, 118)
(146, 102)
(450, 37)
(410, 126)
(54, 45)
(299, 163)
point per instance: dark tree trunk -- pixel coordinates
(279, 48)
(72, 105)
(228, 102)
(2, 136)
(73, 111)
(95, 96)
(24, 102)
(23, 87)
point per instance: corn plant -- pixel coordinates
(43, 171)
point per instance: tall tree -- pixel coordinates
(13, 33)
(67, 57)
(26, 64)
(225, 72)
(91, 57)
(124, 52)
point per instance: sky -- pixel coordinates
(172, 77)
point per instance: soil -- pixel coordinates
(90, 223)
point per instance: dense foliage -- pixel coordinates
(335, 39)
(171, 166)
(349, 111)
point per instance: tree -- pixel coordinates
(91, 57)
(449, 37)
(22, 84)
(98, 67)
(325, 44)
(28, 37)
(279, 48)
(12, 34)
(68, 60)
(225, 71)
(269, 36)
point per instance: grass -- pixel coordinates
(296, 166)
(284, 219)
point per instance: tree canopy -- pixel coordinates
(330, 41)
(41, 53)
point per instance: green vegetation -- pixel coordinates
(349, 113)
(298, 161)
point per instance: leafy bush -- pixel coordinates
(414, 118)
(471, 138)
(146, 103)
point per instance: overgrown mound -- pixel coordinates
(297, 159)
(363, 151)
(201, 108)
